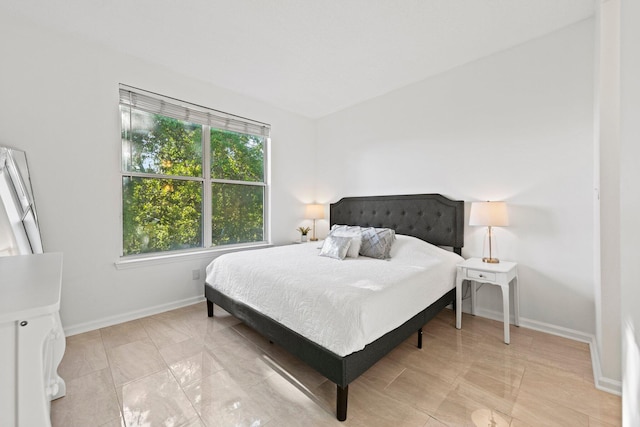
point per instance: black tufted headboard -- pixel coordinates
(430, 217)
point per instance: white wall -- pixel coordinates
(630, 211)
(515, 126)
(59, 103)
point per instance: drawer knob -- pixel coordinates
(481, 275)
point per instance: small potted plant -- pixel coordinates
(303, 232)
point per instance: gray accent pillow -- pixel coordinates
(393, 232)
(335, 247)
(376, 242)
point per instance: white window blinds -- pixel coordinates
(158, 104)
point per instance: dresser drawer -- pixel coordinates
(480, 275)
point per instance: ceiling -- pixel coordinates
(309, 57)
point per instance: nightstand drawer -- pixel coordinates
(480, 275)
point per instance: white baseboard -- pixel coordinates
(602, 383)
(126, 317)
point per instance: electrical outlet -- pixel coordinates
(195, 274)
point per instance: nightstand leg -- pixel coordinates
(459, 300)
(516, 301)
(474, 289)
(505, 309)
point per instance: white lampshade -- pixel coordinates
(314, 211)
(492, 214)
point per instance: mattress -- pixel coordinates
(342, 305)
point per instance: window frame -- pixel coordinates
(206, 182)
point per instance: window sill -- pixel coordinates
(158, 259)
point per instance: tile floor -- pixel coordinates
(182, 368)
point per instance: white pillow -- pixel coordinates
(352, 231)
(335, 247)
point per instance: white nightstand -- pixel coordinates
(500, 274)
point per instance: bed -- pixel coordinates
(432, 218)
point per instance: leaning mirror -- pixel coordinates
(19, 231)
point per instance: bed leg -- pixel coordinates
(420, 338)
(209, 308)
(341, 402)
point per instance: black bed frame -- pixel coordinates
(430, 217)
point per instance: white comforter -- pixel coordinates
(340, 305)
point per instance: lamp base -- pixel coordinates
(314, 239)
(491, 260)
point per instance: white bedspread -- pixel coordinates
(340, 305)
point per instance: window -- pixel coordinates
(192, 177)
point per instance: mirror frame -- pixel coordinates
(19, 229)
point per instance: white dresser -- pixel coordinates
(32, 341)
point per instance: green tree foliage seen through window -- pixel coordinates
(161, 215)
(163, 184)
(237, 210)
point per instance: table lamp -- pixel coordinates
(314, 212)
(489, 214)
